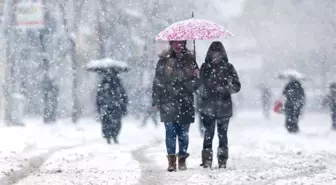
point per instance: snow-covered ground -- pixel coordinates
(261, 152)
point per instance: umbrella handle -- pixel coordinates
(194, 42)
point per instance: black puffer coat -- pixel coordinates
(173, 87)
(111, 98)
(218, 82)
(295, 95)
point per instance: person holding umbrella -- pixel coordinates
(111, 99)
(111, 105)
(174, 83)
(176, 79)
(219, 80)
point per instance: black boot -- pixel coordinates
(171, 163)
(115, 139)
(207, 156)
(108, 140)
(222, 156)
(182, 163)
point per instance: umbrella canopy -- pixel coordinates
(106, 65)
(290, 74)
(193, 29)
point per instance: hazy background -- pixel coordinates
(270, 36)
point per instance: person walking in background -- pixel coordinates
(266, 98)
(174, 83)
(151, 113)
(330, 100)
(294, 101)
(219, 80)
(111, 104)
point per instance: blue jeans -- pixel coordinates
(181, 131)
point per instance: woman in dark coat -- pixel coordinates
(219, 80)
(112, 104)
(173, 88)
(295, 100)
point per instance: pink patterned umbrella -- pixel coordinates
(193, 29)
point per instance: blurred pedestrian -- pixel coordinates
(294, 101)
(111, 104)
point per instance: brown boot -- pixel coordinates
(171, 163)
(182, 165)
(207, 156)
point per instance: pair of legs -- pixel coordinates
(111, 127)
(210, 123)
(266, 109)
(174, 131)
(292, 118)
(150, 114)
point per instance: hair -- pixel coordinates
(172, 52)
(184, 42)
(216, 46)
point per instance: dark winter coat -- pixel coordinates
(218, 82)
(295, 95)
(173, 87)
(111, 97)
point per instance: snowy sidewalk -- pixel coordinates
(261, 152)
(69, 154)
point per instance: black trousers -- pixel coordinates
(150, 114)
(266, 109)
(111, 126)
(292, 118)
(209, 124)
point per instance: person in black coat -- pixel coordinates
(295, 100)
(112, 104)
(330, 100)
(174, 83)
(219, 80)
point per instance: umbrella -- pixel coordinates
(193, 29)
(107, 65)
(291, 73)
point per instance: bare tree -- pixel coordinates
(71, 29)
(8, 25)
